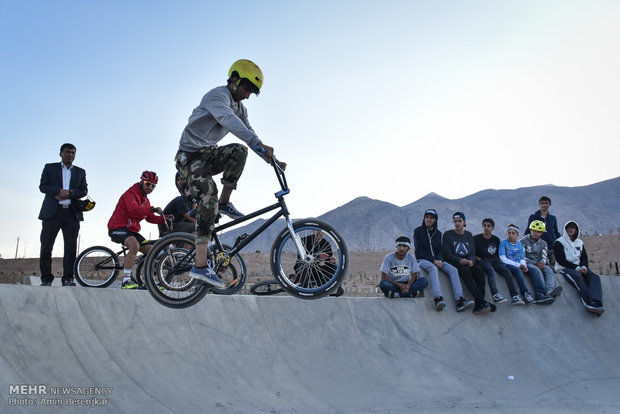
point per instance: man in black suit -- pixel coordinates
(61, 182)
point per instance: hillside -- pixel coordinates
(368, 224)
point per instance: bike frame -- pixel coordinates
(283, 211)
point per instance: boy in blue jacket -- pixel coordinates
(512, 254)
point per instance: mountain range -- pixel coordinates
(367, 224)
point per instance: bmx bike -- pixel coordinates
(272, 287)
(308, 258)
(99, 266)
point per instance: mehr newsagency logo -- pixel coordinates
(45, 395)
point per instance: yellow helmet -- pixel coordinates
(538, 226)
(248, 70)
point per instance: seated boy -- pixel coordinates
(428, 251)
(536, 258)
(571, 260)
(487, 257)
(399, 272)
(512, 254)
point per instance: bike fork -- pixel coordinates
(298, 244)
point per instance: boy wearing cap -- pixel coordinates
(460, 251)
(512, 254)
(536, 258)
(428, 251)
(572, 262)
(399, 272)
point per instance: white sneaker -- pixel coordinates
(528, 298)
(498, 298)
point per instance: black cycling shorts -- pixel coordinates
(119, 236)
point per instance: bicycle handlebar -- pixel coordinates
(278, 170)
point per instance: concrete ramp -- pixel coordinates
(246, 354)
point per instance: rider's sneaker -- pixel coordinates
(517, 301)
(230, 210)
(498, 298)
(130, 284)
(206, 275)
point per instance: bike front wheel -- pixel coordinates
(97, 267)
(322, 268)
(166, 272)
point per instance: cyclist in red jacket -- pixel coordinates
(124, 225)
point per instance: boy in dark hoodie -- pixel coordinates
(459, 250)
(428, 251)
(571, 260)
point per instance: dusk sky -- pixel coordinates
(389, 100)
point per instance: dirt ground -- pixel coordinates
(603, 252)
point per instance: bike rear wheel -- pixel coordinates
(97, 267)
(166, 272)
(324, 266)
(230, 269)
(266, 287)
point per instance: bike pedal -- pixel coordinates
(240, 239)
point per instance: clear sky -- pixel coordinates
(390, 99)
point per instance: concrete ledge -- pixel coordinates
(248, 354)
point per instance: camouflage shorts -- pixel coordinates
(198, 169)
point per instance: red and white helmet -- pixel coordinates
(149, 177)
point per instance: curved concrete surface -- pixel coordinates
(246, 354)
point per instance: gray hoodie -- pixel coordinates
(217, 115)
(535, 251)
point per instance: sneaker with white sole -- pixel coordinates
(498, 298)
(555, 292)
(517, 301)
(462, 304)
(393, 294)
(230, 210)
(206, 275)
(439, 303)
(527, 296)
(543, 300)
(593, 307)
(482, 307)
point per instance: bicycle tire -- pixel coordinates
(97, 267)
(233, 274)
(323, 269)
(166, 272)
(137, 276)
(266, 288)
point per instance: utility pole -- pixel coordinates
(17, 248)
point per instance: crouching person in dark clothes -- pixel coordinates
(399, 272)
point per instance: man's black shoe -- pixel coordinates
(68, 282)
